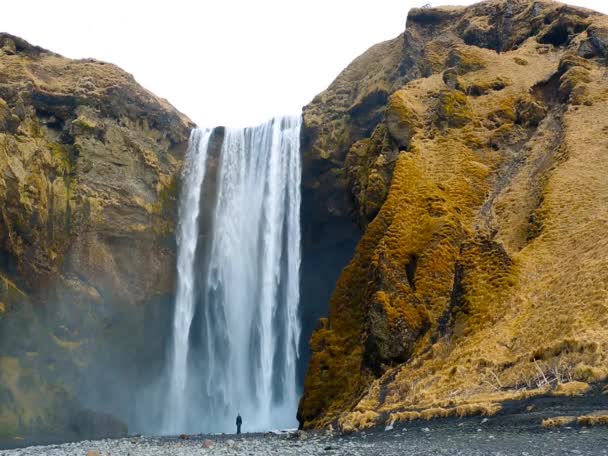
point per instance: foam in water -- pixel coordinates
(236, 327)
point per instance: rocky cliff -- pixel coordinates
(471, 151)
(89, 166)
(462, 162)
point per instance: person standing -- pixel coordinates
(239, 421)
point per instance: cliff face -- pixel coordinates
(471, 151)
(88, 189)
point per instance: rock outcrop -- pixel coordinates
(471, 151)
(89, 169)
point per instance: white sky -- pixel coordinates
(221, 62)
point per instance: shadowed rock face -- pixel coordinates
(89, 170)
(467, 150)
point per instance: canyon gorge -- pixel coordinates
(428, 239)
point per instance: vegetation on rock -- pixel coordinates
(481, 276)
(88, 165)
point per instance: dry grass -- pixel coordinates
(557, 421)
(525, 222)
(598, 419)
(593, 420)
(481, 409)
(404, 416)
(571, 389)
(358, 420)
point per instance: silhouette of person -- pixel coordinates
(239, 421)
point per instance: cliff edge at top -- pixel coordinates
(471, 151)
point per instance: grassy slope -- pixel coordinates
(525, 221)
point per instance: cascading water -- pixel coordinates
(187, 240)
(236, 327)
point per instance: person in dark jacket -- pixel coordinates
(239, 421)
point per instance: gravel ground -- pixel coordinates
(515, 431)
(470, 437)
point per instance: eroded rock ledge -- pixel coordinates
(471, 151)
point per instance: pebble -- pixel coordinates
(448, 440)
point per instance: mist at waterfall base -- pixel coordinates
(236, 327)
(245, 346)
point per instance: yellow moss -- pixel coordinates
(2, 308)
(421, 217)
(504, 113)
(524, 315)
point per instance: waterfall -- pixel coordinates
(187, 239)
(236, 327)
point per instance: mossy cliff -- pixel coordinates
(88, 186)
(471, 151)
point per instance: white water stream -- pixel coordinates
(236, 327)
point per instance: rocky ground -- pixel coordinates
(471, 437)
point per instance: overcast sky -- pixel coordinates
(228, 62)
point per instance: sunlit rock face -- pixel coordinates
(89, 166)
(468, 150)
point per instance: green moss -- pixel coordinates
(168, 194)
(85, 125)
(453, 109)
(60, 156)
(166, 203)
(466, 60)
